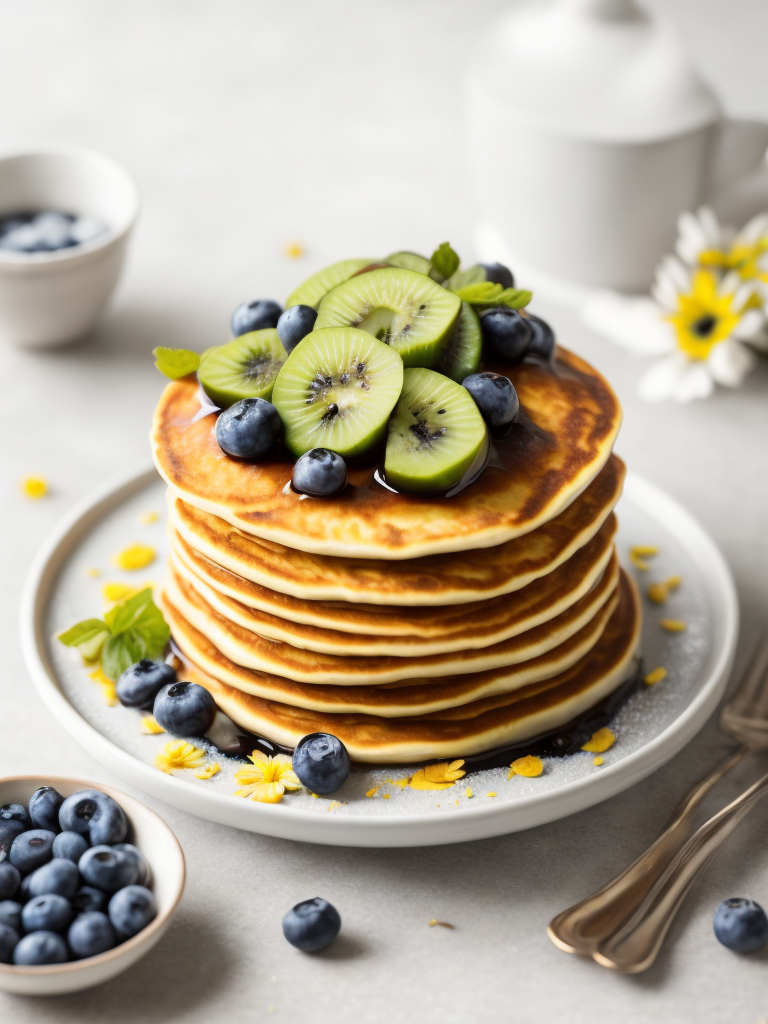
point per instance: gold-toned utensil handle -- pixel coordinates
(635, 946)
(584, 926)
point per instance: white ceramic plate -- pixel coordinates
(651, 727)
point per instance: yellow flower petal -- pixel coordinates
(137, 556)
(148, 517)
(373, 791)
(673, 625)
(177, 755)
(468, 793)
(294, 251)
(601, 741)
(150, 727)
(208, 772)
(598, 761)
(116, 592)
(264, 792)
(491, 794)
(643, 551)
(34, 487)
(529, 767)
(656, 676)
(107, 687)
(420, 781)
(93, 572)
(437, 776)
(266, 770)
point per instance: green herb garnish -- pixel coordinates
(487, 295)
(176, 362)
(444, 260)
(130, 631)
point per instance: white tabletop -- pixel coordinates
(337, 125)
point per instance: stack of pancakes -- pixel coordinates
(410, 627)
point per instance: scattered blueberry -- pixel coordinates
(96, 815)
(255, 316)
(131, 909)
(15, 812)
(8, 832)
(138, 686)
(58, 876)
(91, 934)
(184, 709)
(295, 324)
(131, 851)
(10, 914)
(312, 925)
(87, 898)
(41, 948)
(498, 274)
(9, 938)
(32, 849)
(107, 868)
(495, 397)
(44, 807)
(507, 332)
(249, 428)
(320, 473)
(741, 925)
(10, 877)
(51, 913)
(22, 893)
(321, 762)
(542, 343)
(70, 846)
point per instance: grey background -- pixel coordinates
(338, 124)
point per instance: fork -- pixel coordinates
(623, 924)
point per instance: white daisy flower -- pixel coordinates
(704, 242)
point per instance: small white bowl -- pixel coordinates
(50, 298)
(164, 855)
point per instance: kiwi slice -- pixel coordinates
(243, 368)
(399, 307)
(462, 352)
(316, 287)
(336, 391)
(436, 435)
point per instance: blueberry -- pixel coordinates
(138, 686)
(15, 812)
(107, 868)
(32, 849)
(50, 912)
(507, 331)
(22, 893)
(255, 316)
(295, 324)
(249, 428)
(10, 877)
(57, 876)
(495, 397)
(320, 473)
(741, 925)
(41, 948)
(131, 851)
(91, 934)
(10, 914)
(498, 274)
(184, 709)
(131, 909)
(94, 814)
(9, 939)
(321, 762)
(8, 832)
(70, 846)
(85, 229)
(542, 344)
(87, 898)
(312, 925)
(44, 807)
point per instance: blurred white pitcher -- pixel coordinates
(590, 132)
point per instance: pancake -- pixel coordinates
(472, 728)
(434, 580)
(250, 650)
(455, 628)
(390, 700)
(569, 420)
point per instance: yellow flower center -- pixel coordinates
(704, 317)
(268, 779)
(743, 259)
(179, 754)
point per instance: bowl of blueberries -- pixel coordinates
(65, 218)
(89, 880)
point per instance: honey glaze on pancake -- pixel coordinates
(570, 421)
(362, 629)
(256, 652)
(483, 725)
(449, 579)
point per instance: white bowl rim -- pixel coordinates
(38, 970)
(103, 241)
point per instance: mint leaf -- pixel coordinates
(128, 613)
(487, 295)
(176, 362)
(82, 632)
(120, 652)
(461, 278)
(515, 298)
(444, 260)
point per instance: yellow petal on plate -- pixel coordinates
(601, 741)
(150, 726)
(673, 625)
(136, 556)
(529, 767)
(656, 676)
(34, 487)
